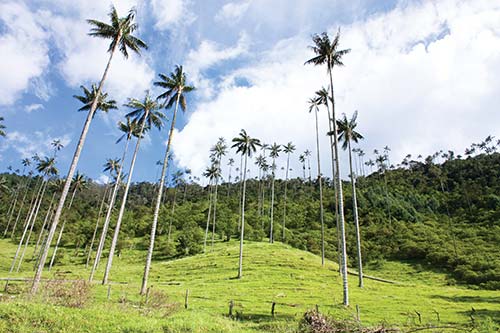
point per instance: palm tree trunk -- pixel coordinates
(320, 194)
(101, 206)
(271, 236)
(284, 204)
(71, 172)
(27, 223)
(356, 219)
(215, 208)
(158, 200)
(44, 223)
(208, 215)
(111, 205)
(340, 200)
(20, 209)
(242, 234)
(30, 208)
(240, 189)
(61, 232)
(124, 202)
(332, 151)
(11, 210)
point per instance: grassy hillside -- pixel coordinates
(292, 278)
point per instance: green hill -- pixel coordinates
(291, 278)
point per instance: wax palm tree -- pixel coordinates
(46, 167)
(230, 163)
(79, 182)
(218, 151)
(176, 180)
(302, 159)
(2, 127)
(313, 107)
(260, 161)
(120, 32)
(26, 162)
(111, 166)
(212, 173)
(327, 53)
(324, 99)
(307, 154)
(147, 114)
(57, 144)
(274, 152)
(288, 149)
(348, 134)
(176, 87)
(246, 146)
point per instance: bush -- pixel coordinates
(71, 294)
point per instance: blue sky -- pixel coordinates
(424, 75)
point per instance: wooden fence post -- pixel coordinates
(272, 308)
(231, 305)
(109, 291)
(357, 313)
(186, 299)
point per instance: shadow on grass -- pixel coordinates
(261, 318)
(478, 313)
(469, 299)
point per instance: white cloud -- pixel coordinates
(423, 77)
(24, 50)
(210, 54)
(29, 144)
(168, 13)
(33, 107)
(232, 11)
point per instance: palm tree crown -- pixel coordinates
(119, 31)
(326, 51)
(245, 144)
(146, 111)
(176, 86)
(89, 96)
(346, 130)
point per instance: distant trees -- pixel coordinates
(274, 151)
(288, 149)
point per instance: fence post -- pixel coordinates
(272, 308)
(109, 291)
(186, 299)
(231, 305)
(357, 313)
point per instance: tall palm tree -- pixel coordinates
(260, 161)
(302, 159)
(313, 106)
(307, 154)
(57, 144)
(129, 129)
(46, 167)
(120, 32)
(230, 163)
(176, 180)
(288, 149)
(246, 146)
(274, 152)
(79, 182)
(176, 87)
(218, 151)
(147, 113)
(327, 53)
(324, 99)
(347, 134)
(212, 173)
(26, 162)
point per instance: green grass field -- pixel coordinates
(292, 278)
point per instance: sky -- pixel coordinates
(423, 75)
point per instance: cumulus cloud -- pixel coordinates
(232, 11)
(24, 50)
(423, 77)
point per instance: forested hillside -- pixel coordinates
(443, 216)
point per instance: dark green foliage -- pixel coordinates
(443, 216)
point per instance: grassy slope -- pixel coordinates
(292, 278)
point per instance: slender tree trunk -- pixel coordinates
(20, 209)
(11, 210)
(240, 189)
(71, 172)
(44, 223)
(215, 209)
(158, 200)
(356, 219)
(340, 201)
(208, 215)
(309, 168)
(271, 236)
(242, 234)
(101, 206)
(61, 232)
(229, 181)
(32, 202)
(114, 241)
(284, 204)
(321, 215)
(111, 205)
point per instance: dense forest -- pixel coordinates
(441, 212)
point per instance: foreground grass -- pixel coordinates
(291, 278)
